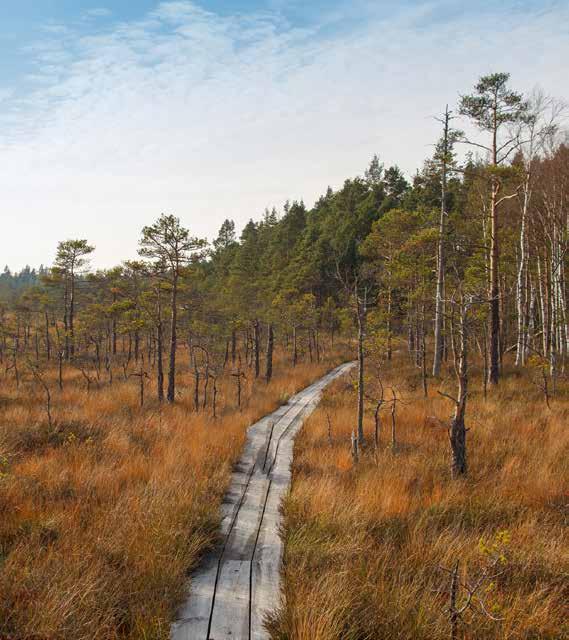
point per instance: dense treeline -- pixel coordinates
(11, 284)
(471, 252)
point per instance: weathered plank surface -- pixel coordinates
(239, 583)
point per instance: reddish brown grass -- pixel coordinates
(102, 517)
(364, 545)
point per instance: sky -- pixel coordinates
(115, 111)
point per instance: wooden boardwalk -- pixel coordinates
(239, 583)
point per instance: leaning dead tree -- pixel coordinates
(457, 427)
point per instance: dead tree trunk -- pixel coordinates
(457, 431)
(439, 304)
(393, 421)
(494, 373)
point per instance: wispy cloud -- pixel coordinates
(212, 116)
(99, 12)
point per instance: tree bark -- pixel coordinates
(269, 355)
(457, 428)
(173, 341)
(47, 338)
(361, 313)
(294, 347)
(257, 338)
(439, 296)
(159, 361)
(72, 315)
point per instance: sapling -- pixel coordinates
(39, 377)
(468, 595)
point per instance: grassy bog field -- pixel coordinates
(103, 514)
(369, 545)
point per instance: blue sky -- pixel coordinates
(113, 111)
(27, 21)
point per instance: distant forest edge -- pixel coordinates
(12, 283)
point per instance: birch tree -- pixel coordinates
(444, 157)
(492, 107)
(537, 130)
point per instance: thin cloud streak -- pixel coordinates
(210, 116)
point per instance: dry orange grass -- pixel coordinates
(364, 545)
(102, 516)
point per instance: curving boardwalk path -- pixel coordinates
(239, 582)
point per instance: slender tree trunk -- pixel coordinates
(196, 389)
(214, 398)
(233, 345)
(47, 338)
(257, 338)
(205, 388)
(520, 298)
(65, 319)
(411, 336)
(114, 328)
(439, 296)
(361, 313)
(457, 427)
(173, 341)
(159, 353)
(72, 315)
(423, 353)
(269, 355)
(294, 347)
(317, 344)
(494, 373)
(60, 370)
(389, 325)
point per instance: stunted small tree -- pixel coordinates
(40, 378)
(69, 260)
(357, 290)
(169, 245)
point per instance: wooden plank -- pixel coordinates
(194, 615)
(240, 582)
(231, 611)
(265, 579)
